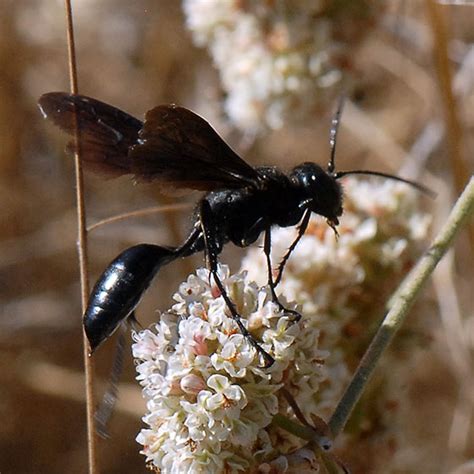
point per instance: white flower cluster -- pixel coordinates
(276, 59)
(343, 285)
(210, 402)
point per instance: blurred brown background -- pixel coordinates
(139, 54)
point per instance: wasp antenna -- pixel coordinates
(333, 133)
(414, 184)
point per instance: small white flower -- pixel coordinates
(282, 337)
(198, 418)
(192, 384)
(226, 396)
(234, 358)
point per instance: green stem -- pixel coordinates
(302, 431)
(401, 302)
(316, 441)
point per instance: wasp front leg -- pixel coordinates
(301, 231)
(267, 246)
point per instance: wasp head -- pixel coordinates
(320, 191)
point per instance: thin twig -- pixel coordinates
(82, 251)
(140, 213)
(455, 330)
(454, 133)
(457, 2)
(400, 303)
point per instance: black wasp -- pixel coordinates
(179, 149)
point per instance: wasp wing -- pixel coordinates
(174, 146)
(179, 148)
(105, 133)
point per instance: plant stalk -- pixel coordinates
(82, 251)
(400, 304)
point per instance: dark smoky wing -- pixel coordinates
(173, 146)
(105, 132)
(180, 149)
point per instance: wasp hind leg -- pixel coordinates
(211, 247)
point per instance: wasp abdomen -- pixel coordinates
(120, 288)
